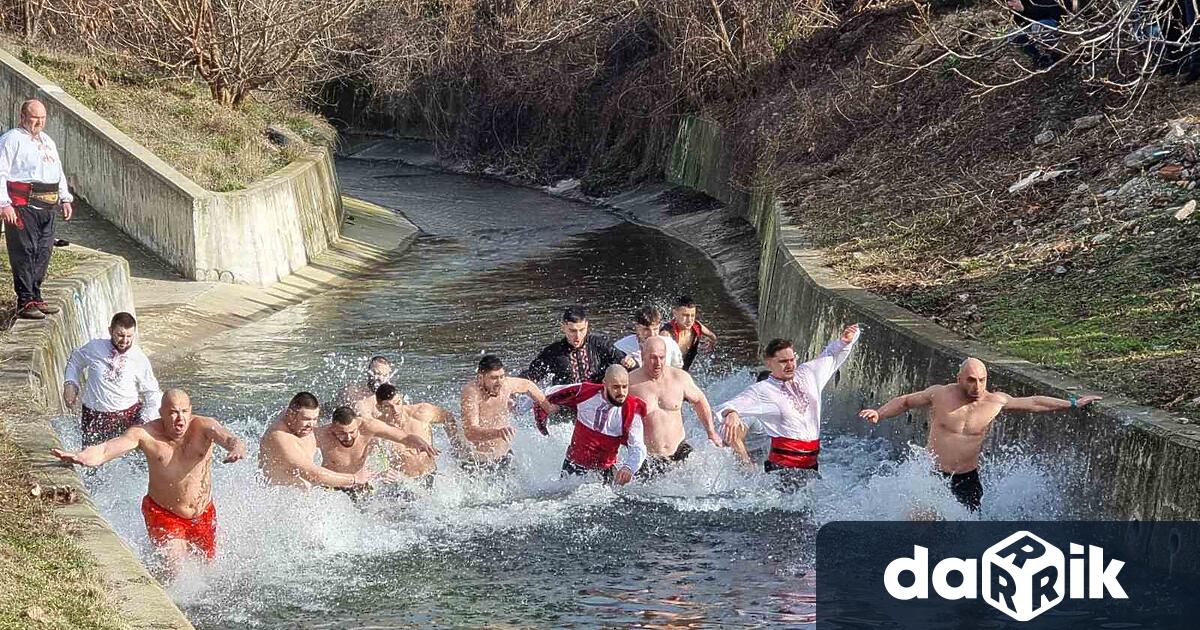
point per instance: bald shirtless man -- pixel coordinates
(345, 443)
(960, 416)
(287, 452)
(487, 406)
(418, 420)
(178, 508)
(664, 390)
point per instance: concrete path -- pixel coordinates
(175, 313)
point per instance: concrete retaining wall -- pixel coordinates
(252, 236)
(33, 355)
(1121, 459)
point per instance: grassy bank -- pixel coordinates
(47, 579)
(218, 148)
(62, 262)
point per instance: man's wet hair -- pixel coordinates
(776, 345)
(304, 400)
(387, 391)
(123, 320)
(377, 359)
(685, 301)
(647, 315)
(490, 363)
(762, 376)
(344, 415)
(574, 315)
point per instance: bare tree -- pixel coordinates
(234, 46)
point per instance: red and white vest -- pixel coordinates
(600, 427)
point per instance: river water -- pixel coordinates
(707, 545)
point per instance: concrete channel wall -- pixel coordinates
(252, 236)
(1122, 459)
(33, 355)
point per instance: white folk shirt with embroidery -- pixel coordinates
(792, 409)
(114, 381)
(26, 158)
(597, 414)
(631, 347)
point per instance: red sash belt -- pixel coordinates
(20, 193)
(791, 453)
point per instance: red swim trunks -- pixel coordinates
(164, 525)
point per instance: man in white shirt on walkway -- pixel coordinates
(787, 404)
(32, 189)
(118, 383)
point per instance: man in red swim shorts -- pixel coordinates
(178, 508)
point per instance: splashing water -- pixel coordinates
(707, 544)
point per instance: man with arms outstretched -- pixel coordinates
(664, 389)
(487, 406)
(288, 450)
(787, 405)
(178, 507)
(960, 415)
(345, 443)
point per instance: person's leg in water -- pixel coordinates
(791, 479)
(966, 488)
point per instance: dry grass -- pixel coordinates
(218, 148)
(47, 579)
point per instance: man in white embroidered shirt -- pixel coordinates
(787, 404)
(119, 383)
(32, 188)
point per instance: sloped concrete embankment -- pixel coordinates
(34, 355)
(1124, 460)
(253, 236)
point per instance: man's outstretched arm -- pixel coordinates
(103, 452)
(899, 405)
(1039, 404)
(411, 440)
(225, 439)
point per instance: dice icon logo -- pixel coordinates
(1023, 576)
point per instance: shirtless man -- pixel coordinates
(960, 416)
(487, 407)
(664, 389)
(346, 441)
(287, 452)
(689, 333)
(415, 419)
(361, 394)
(606, 416)
(178, 509)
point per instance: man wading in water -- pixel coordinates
(579, 357)
(960, 415)
(178, 507)
(288, 450)
(688, 332)
(346, 441)
(606, 417)
(361, 394)
(487, 406)
(665, 388)
(788, 405)
(418, 420)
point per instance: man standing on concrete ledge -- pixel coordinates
(32, 188)
(119, 382)
(788, 405)
(178, 507)
(960, 415)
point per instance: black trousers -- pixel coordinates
(29, 249)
